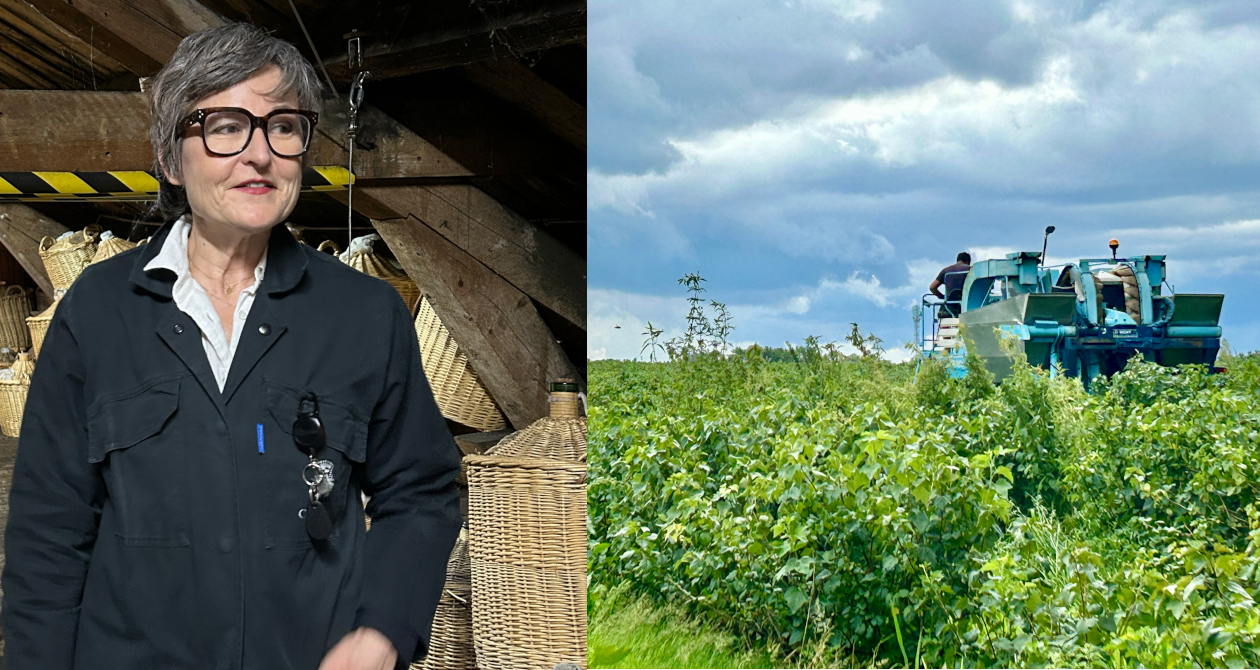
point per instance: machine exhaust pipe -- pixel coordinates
(1044, 241)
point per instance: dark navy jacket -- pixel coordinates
(152, 527)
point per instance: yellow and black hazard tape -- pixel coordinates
(127, 185)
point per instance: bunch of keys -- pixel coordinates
(308, 435)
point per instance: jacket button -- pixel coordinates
(178, 329)
(264, 329)
(225, 544)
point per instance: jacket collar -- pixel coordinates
(286, 263)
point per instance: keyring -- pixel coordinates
(318, 474)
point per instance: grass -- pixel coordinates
(629, 632)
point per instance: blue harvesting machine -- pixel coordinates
(1086, 319)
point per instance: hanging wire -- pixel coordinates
(352, 130)
(331, 88)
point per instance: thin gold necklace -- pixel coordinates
(227, 288)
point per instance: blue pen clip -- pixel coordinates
(261, 450)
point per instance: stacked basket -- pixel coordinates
(527, 542)
(110, 245)
(459, 394)
(66, 256)
(13, 389)
(15, 307)
(38, 325)
(451, 644)
(363, 258)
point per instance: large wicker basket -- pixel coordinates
(110, 245)
(459, 394)
(15, 307)
(363, 258)
(451, 644)
(13, 395)
(38, 325)
(527, 541)
(562, 435)
(65, 258)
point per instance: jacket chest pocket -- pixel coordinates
(144, 471)
(287, 494)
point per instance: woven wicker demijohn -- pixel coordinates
(527, 543)
(66, 256)
(363, 258)
(110, 245)
(15, 307)
(459, 393)
(39, 325)
(13, 391)
(451, 644)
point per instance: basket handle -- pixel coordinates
(92, 232)
(142, 241)
(45, 243)
(336, 251)
(9, 291)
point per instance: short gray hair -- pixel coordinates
(206, 62)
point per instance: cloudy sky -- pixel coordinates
(818, 161)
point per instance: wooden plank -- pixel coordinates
(100, 38)
(74, 131)
(182, 17)
(96, 131)
(506, 78)
(479, 443)
(25, 18)
(21, 229)
(54, 58)
(12, 65)
(515, 249)
(543, 28)
(148, 36)
(508, 345)
(385, 149)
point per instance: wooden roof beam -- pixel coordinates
(508, 36)
(80, 21)
(21, 229)
(97, 131)
(508, 79)
(509, 347)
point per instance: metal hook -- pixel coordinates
(354, 53)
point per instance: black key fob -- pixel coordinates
(308, 430)
(318, 523)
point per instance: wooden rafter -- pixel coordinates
(82, 26)
(508, 79)
(507, 36)
(21, 229)
(511, 349)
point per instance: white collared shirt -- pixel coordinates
(193, 300)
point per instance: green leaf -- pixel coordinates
(604, 656)
(795, 599)
(1006, 472)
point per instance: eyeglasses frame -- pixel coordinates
(199, 117)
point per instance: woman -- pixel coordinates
(208, 408)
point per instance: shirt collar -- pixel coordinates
(281, 269)
(174, 253)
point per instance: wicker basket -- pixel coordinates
(459, 394)
(451, 644)
(110, 245)
(562, 435)
(65, 258)
(527, 544)
(13, 395)
(361, 257)
(15, 307)
(38, 325)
